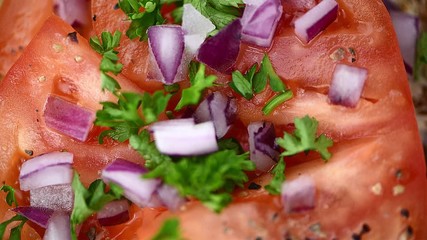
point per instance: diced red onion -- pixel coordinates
(114, 213)
(407, 30)
(347, 85)
(186, 140)
(59, 227)
(170, 197)
(220, 51)
(68, 118)
(309, 25)
(219, 109)
(56, 197)
(179, 122)
(37, 215)
(196, 27)
(128, 175)
(45, 170)
(299, 194)
(259, 21)
(166, 44)
(74, 12)
(193, 22)
(262, 145)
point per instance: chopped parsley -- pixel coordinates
(304, 139)
(10, 197)
(143, 14)
(109, 64)
(169, 230)
(91, 200)
(15, 232)
(254, 82)
(275, 185)
(209, 178)
(220, 12)
(199, 83)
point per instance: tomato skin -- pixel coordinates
(18, 25)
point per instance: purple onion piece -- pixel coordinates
(172, 122)
(166, 44)
(56, 197)
(309, 25)
(194, 23)
(262, 145)
(196, 27)
(186, 140)
(74, 12)
(37, 215)
(58, 227)
(217, 108)
(68, 118)
(347, 85)
(114, 213)
(128, 175)
(45, 160)
(170, 197)
(407, 29)
(298, 194)
(220, 51)
(53, 175)
(260, 21)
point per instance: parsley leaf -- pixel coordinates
(147, 149)
(220, 12)
(241, 85)
(253, 82)
(109, 63)
(209, 178)
(169, 230)
(141, 20)
(275, 185)
(193, 94)
(267, 72)
(10, 197)
(304, 139)
(421, 58)
(89, 201)
(15, 233)
(130, 113)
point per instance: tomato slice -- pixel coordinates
(377, 169)
(19, 25)
(366, 154)
(53, 64)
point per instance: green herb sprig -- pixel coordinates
(15, 233)
(254, 82)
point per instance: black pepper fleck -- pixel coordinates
(399, 174)
(404, 212)
(73, 37)
(116, 7)
(365, 229)
(94, 18)
(29, 152)
(409, 231)
(254, 186)
(20, 48)
(258, 238)
(275, 216)
(356, 237)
